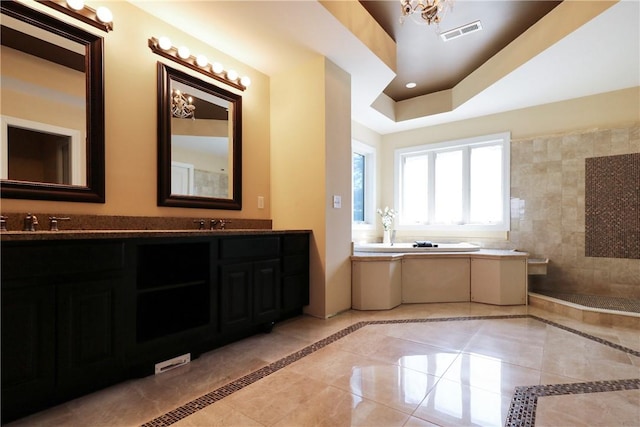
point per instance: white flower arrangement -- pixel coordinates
(387, 216)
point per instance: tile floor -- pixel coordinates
(417, 365)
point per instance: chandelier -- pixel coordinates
(431, 11)
(182, 106)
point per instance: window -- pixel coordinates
(363, 183)
(456, 185)
(359, 171)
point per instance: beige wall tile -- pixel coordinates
(548, 173)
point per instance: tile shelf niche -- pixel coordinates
(88, 313)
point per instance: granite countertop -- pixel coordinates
(15, 236)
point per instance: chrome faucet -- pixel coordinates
(30, 222)
(53, 222)
(200, 223)
(221, 222)
(3, 223)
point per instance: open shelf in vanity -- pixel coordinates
(168, 273)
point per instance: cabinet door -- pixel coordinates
(295, 292)
(90, 353)
(266, 291)
(235, 296)
(28, 349)
(295, 273)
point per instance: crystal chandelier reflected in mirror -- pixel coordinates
(182, 106)
(430, 11)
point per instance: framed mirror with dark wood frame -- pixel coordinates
(52, 145)
(199, 143)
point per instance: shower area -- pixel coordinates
(576, 202)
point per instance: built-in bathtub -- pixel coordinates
(409, 247)
(385, 276)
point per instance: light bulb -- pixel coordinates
(104, 14)
(164, 43)
(202, 61)
(75, 4)
(183, 52)
(232, 75)
(217, 67)
(245, 81)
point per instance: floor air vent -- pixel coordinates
(461, 31)
(170, 364)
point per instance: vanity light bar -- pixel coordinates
(101, 18)
(199, 63)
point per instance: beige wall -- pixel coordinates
(298, 159)
(311, 152)
(130, 119)
(338, 183)
(553, 222)
(607, 110)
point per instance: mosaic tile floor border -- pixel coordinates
(522, 410)
(597, 301)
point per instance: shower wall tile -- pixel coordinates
(634, 140)
(548, 174)
(619, 141)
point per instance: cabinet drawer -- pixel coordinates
(249, 247)
(60, 258)
(295, 243)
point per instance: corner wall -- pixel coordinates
(311, 152)
(298, 164)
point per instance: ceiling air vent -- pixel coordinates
(461, 31)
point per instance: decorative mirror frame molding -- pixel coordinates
(94, 191)
(165, 75)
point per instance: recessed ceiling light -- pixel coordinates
(410, 85)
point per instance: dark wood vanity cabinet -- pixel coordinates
(62, 335)
(79, 315)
